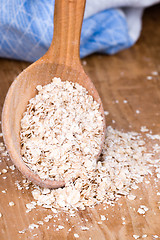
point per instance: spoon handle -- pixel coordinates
(68, 17)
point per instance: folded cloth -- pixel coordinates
(26, 27)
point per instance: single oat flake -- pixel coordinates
(11, 204)
(136, 236)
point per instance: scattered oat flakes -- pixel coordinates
(122, 151)
(122, 165)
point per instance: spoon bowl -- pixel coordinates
(61, 60)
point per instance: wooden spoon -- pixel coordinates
(61, 60)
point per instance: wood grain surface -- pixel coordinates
(119, 77)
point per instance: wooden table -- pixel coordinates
(119, 77)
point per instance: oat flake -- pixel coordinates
(11, 204)
(136, 236)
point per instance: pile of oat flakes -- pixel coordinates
(61, 131)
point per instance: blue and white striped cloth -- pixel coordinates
(26, 27)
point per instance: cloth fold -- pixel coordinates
(26, 27)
